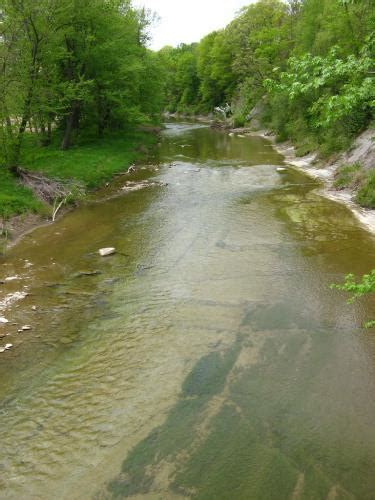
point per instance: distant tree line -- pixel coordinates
(73, 67)
(307, 64)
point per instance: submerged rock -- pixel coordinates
(80, 274)
(104, 252)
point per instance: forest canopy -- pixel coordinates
(308, 66)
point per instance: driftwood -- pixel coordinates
(52, 191)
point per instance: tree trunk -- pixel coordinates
(71, 123)
(21, 131)
(49, 129)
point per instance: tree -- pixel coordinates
(75, 66)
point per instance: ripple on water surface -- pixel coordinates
(207, 358)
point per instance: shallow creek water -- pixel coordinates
(208, 358)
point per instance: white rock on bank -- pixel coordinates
(104, 252)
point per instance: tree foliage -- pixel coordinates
(358, 288)
(310, 63)
(78, 67)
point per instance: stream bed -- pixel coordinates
(208, 358)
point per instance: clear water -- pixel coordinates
(208, 358)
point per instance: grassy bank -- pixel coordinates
(360, 180)
(89, 163)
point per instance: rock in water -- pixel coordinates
(6, 347)
(281, 169)
(104, 252)
(3, 320)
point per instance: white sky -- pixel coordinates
(187, 21)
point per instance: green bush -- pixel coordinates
(239, 120)
(366, 194)
(358, 288)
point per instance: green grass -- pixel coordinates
(363, 182)
(15, 199)
(366, 194)
(90, 163)
(348, 176)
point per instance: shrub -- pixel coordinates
(348, 176)
(357, 288)
(366, 194)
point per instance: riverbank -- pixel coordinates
(361, 152)
(86, 167)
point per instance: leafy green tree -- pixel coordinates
(76, 66)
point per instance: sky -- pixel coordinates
(187, 21)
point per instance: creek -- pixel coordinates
(208, 358)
